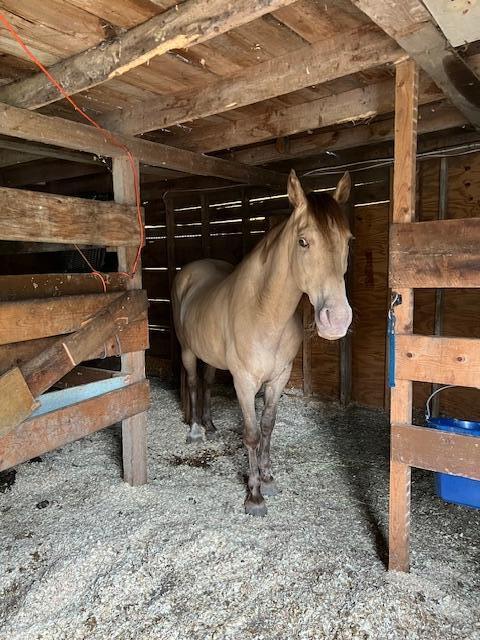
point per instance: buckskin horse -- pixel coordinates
(244, 318)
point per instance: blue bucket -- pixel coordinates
(451, 488)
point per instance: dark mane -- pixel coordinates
(327, 212)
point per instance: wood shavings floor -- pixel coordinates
(82, 555)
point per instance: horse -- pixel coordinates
(244, 319)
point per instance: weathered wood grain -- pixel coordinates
(185, 24)
(438, 253)
(434, 450)
(40, 217)
(49, 431)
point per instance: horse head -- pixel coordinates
(319, 253)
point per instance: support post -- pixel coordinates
(206, 238)
(134, 429)
(404, 183)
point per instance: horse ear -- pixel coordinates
(344, 186)
(296, 194)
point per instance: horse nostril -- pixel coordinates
(325, 317)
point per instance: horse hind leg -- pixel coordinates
(273, 391)
(195, 432)
(208, 376)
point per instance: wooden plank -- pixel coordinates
(132, 338)
(438, 359)
(30, 319)
(17, 400)
(36, 436)
(25, 287)
(440, 119)
(410, 24)
(134, 428)
(21, 123)
(434, 450)
(41, 217)
(42, 371)
(356, 51)
(185, 24)
(437, 253)
(346, 107)
(406, 111)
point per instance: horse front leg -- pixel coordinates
(189, 360)
(273, 391)
(246, 390)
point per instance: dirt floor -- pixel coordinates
(83, 555)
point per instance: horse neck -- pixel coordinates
(277, 293)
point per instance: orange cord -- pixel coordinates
(108, 135)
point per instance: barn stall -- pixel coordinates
(171, 128)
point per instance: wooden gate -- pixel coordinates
(437, 254)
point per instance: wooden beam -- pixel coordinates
(427, 448)
(438, 253)
(40, 217)
(434, 359)
(49, 431)
(321, 62)
(184, 25)
(431, 119)
(348, 107)
(133, 337)
(29, 125)
(45, 170)
(18, 402)
(46, 151)
(410, 24)
(406, 111)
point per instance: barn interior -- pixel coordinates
(191, 115)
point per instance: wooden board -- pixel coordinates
(31, 319)
(427, 448)
(438, 359)
(50, 285)
(51, 430)
(131, 338)
(40, 217)
(440, 253)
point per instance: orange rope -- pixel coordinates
(108, 135)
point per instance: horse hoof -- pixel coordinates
(270, 488)
(255, 508)
(195, 434)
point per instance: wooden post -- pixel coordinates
(438, 320)
(134, 429)
(404, 183)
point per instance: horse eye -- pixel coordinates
(302, 242)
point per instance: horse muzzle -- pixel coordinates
(333, 321)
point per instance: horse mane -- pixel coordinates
(327, 213)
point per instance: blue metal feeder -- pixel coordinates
(451, 488)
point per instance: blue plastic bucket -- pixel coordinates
(451, 488)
